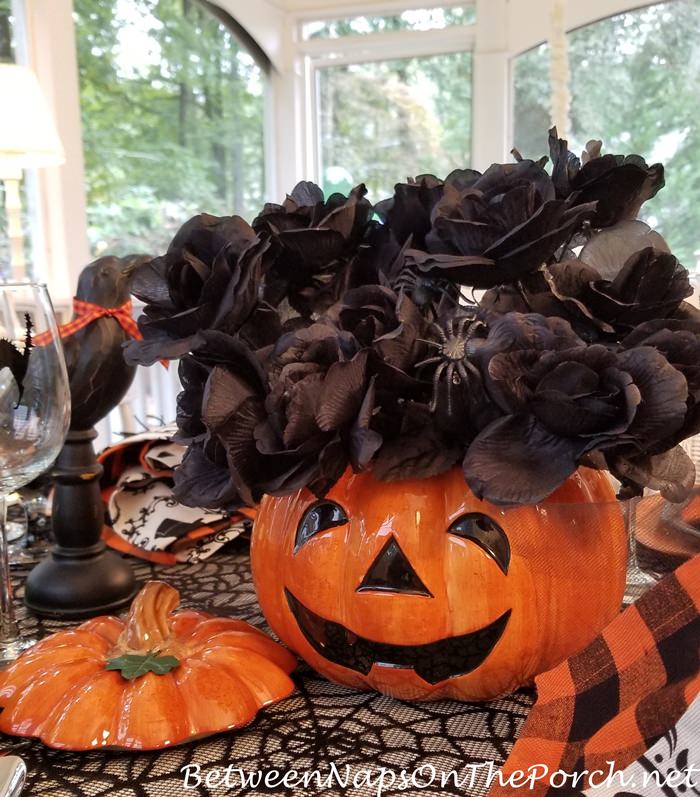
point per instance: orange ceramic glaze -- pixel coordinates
(61, 692)
(419, 590)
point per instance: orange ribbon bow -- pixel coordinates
(86, 312)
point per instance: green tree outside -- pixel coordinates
(172, 116)
(635, 81)
(385, 121)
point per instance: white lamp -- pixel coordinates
(28, 139)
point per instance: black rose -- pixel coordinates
(618, 184)
(506, 224)
(560, 405)
(313, 242)
(208, 279)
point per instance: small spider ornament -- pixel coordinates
(427, 291)
(454, 344)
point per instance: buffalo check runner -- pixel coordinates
(617, 697)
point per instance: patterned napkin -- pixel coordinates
(663, 771)
(144, 518)
(620, 695)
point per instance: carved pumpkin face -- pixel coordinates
(419, 590)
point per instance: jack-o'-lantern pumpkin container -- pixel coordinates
(419, 590)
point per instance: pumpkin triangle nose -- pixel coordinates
(392, 572)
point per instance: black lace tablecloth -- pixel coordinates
(320, 725)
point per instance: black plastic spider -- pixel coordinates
(424, 289)
(452, 359)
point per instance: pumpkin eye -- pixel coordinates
(318, 517)
(486, 533)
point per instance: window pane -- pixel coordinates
(7, 49)
(636, 85)
(8, 34)
(6, 56)
(415, 19)
(384, 121)
(172, 112)
(531, 96)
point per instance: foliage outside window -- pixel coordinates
(7, 48)
(172, 112)
(411, 19)
(635, 81)
(8, 34)
(384, 121)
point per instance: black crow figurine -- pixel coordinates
(99, 376)
(80, 577)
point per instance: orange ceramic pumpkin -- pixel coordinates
(215, 674)
(419, 590)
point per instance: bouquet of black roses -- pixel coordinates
(519, 322)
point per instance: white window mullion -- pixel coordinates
(323, 10)
(491, 91)
(387, 46)
(291, 118)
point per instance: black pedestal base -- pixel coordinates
(76, 583)
(80, 577)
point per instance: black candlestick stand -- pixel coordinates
(81, 578)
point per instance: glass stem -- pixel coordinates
(8, 624)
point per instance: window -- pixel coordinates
(172, 109)
(381, 120)
(413, 19)
(7, 47)
(384, 121)
(635, 82)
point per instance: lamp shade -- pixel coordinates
(28, 136)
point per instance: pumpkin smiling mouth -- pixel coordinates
(433, 662)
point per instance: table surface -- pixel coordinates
(319, 725)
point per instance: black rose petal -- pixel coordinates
(515, 460)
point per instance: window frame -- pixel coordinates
(321, 53)
(501, 31)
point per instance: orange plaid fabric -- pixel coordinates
(85, 313)
(613, 700)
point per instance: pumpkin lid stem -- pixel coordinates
(148, 624)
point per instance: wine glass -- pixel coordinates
(34, 416)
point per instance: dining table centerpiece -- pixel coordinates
(426, 397)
